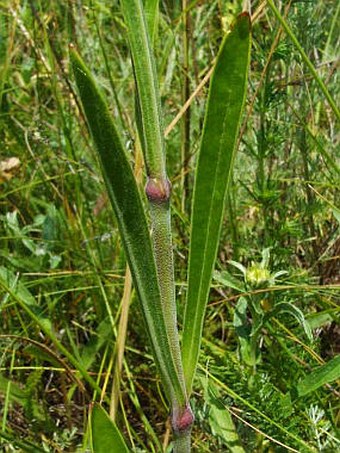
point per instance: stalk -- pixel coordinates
(158, 192)
(185, 97)
(134, 230)
(124, 316)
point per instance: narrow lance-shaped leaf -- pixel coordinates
(147, 87)
(128, 207)
(215, 163)
(322, 375)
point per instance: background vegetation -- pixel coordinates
(61, 259)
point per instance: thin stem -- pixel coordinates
(124, 316)
(120, 344)
(185, 97)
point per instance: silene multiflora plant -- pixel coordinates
(148, 247)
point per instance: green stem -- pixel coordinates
(162, 242)
(182, 444)
(185, 97)
(158, 191)
(182, 421)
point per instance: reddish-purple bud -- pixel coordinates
(158, 191)
(182, 421)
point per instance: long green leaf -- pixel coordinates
(215, 163)
(105, 435)
(147, 87)
(320, 376)
(151, 15)
(128, 207)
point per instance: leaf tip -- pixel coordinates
(243, 22)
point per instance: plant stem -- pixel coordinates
(158, 188)
(182, 443)
(158, 193)
(147, 88)
(185, 97)
(120, 344)
(182, 421)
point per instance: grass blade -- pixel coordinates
(105, 435)
(17, 291)
(320, 376)
(215, 163)
(128, 207)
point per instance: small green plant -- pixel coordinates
(150, 257)
(254, 311)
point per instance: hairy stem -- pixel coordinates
(182, 421)
(158, 188)
(158, 193)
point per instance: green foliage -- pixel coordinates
(261, 309)
(322, 375)
(25, 397)
(61, 256)
(105, 435)
(127, 204)
(213, 173)
(220, 419)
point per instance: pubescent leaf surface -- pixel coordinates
(127, 204)
(215, 163)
